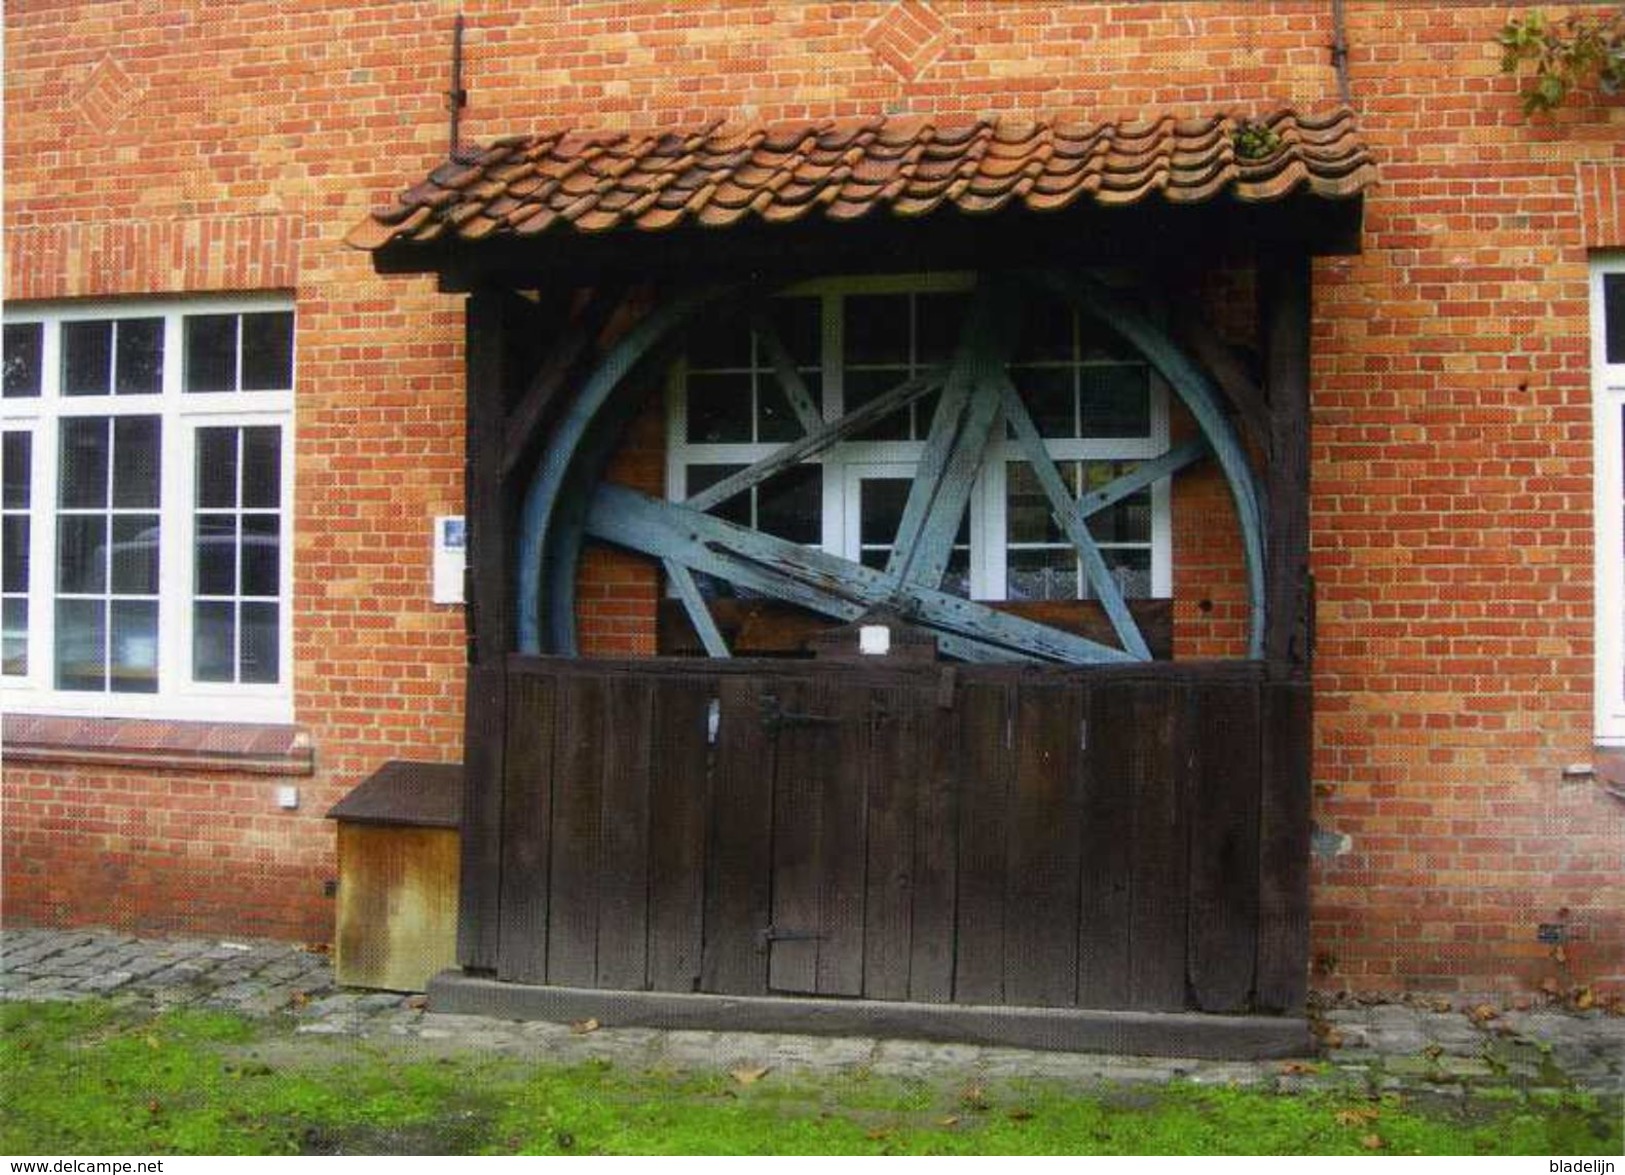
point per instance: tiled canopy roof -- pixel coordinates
(715, 175)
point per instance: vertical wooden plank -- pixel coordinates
(893, 769)
(798, 856)
(988, 736)
(739, 856)
(527, 830)
(489, 328)
(936, 845)
(1223, 806)
(679, 801)
(1283, 849)
(1110, 770)
(842, 874)
(1284, 321)
(623, 901)
(1042, 878)
(572, 931)
(1157, 899)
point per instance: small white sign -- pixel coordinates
(450, 556)
(874, 640)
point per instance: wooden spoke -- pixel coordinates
(959, 436)
(817, 580)
(1077, 532)
(1142, 475)
(815, 443)
(784, 369)
(698, 614)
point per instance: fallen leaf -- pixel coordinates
(155, 1107)
(1296, 1068)
(1333, 1039)
(748, 1076)
(1356, 1117)
(418, 1002)
(317, 948)
(152, 1042)
(1550, 986)
(582, 1027)
(299, 999)
(1583, 998)
(1373, 1142)
(973, 1097)
(1560, 955)
(1441, 1005)
(1020, 1114)
(878, 1134)
(1482, 1013)
(1433, 1052)
(950, 1120)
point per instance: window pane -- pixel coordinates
(798, 323)
(23, 341)
(775, 419)
(262, 468)
(863, 386)
(938, 320)
(81, 639)
(260, 644)
(734, 509)
(1049, 573)
(1613, 312)
(16, 470)
(14, 530)
(140, 367)
(217, 468)
(135, 462)
(84, 462)
(214, 640)
(81, 553)
(14, 637)
(1131, 568)
(1127, 521)
(261, 555)
(956, 579)
(880, 509)
(135, 554)
(216, 555)
(1115, 400)
(1047, 392)
(267, 352)
(791, 505)
(719, 409)
(135, 647)
(876, 328)
(87, 358)
(1029, 518)
(211, 353)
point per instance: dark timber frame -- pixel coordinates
(1209, 787)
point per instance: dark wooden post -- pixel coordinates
(1283, 931)
(491, 317)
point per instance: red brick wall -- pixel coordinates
(171, 147)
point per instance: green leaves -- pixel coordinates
(1566, 53)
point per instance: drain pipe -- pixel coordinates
(1340, 53)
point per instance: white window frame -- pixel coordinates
(1608, 411)
(182, 414)
(847, 462)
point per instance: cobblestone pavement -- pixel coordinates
(1376, 1048)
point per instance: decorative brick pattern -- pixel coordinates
(107, 96)
(908, 37)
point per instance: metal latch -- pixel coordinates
(775, 716)
(768, 935)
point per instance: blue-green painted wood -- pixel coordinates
(784, 370)
(954, 446)
(815, 443)
(1197, 392)
(819, 580)
(1065, 510)
(1144, 474)
(705, 625)
(541, 496)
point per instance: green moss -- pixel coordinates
(88, 1078)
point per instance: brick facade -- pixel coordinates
(169, 147)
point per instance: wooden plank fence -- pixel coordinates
(1045, 837)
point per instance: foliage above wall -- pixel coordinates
(1565, 52)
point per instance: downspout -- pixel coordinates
(1340, 54)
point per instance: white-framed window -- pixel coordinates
(148, 470)
(1608, 375)
(1097, 404)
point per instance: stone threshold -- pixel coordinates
(250, 747)
(1153, 1034)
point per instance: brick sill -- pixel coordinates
(250, 747)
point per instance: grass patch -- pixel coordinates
(89, 1078)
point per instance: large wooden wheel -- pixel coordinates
(567, 501)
